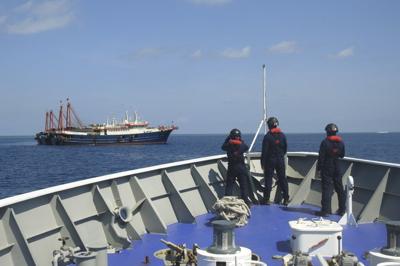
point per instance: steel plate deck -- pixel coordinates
(267, 234)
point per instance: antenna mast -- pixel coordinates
(265, 97)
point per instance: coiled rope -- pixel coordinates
(233, 209)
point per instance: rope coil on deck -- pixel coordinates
(233, 209)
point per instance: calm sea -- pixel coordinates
(25, 166)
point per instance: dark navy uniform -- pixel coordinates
(274, 148)
(236, 167)
(331, 149)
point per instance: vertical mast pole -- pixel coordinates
(51, 126)
(68, 121)
(264, 120)
(61, 118)
(46, 127)
(264, 97)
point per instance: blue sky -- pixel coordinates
(199, 63)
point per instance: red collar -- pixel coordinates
(334, 138)
(275, 130)
(235, 141)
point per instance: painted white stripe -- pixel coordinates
(55, 189)
(352, 159)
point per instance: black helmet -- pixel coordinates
(272, 122)
(235, 133)
(331, 129)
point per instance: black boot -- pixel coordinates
(340, 212)
(285, 202)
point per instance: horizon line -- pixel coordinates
(249, 133)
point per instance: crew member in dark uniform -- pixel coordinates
(235, 147)
(331, 149)
(274, 148)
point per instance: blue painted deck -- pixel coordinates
(267, 234)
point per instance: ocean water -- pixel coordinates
(25, 166)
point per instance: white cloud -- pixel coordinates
(348, 52)
(210, 2)
(30, 26)
(147, 52)
(197, 54)
(34, 17)
(285, 47)
(236, 53)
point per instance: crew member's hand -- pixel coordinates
(235, 141)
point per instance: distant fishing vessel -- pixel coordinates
(70, 130)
